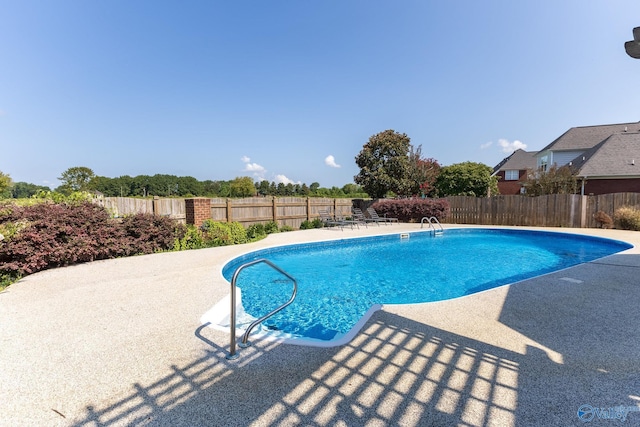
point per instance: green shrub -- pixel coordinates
(8, 278)
(271, 227)
(627, 218)
(192, 239)
(286, 228)
(223, 233)
(256, 231)
(238, 233)
(307, 225)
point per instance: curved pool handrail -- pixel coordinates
(244, 343)
(432, 220)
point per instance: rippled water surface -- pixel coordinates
(338, 281)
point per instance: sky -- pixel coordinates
(290, 91)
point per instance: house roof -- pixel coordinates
(586, 137)
(616, 156)
(518, 160)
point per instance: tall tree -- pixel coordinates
(75, 179)
(466, 179)
(242, 187)
(384, 164)
(262, 187)
(24, 190)
(5, 184)
(423, 173)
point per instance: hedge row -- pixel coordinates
(412, 210)
(47, 235)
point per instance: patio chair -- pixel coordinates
(384, 219)
(359, 216)
(329, 221)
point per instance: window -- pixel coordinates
(511, 175)
(542, 163)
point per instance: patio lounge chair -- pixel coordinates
(359, 216)
(329, 221)
(384, 219)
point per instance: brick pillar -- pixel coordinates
(197, 210)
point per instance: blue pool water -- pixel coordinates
(339, 281)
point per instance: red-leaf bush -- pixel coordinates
(146, 233)
(412, 210)
(47, 235)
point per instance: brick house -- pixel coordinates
(606, 157)
(512, 170)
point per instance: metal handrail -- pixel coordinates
(244, 343)
(431, 221)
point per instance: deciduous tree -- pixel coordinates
(384, 164)
(5, 183)
(466, 179)
(242, 187)
(75, 179)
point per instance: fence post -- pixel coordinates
(274, 209)
(584, 201)
(156, 205)
(197, 210)
(308, 208)
(229, 219)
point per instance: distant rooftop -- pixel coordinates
(617, 155)
(518, 160)
(586, 137)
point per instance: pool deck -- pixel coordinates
(120, 342)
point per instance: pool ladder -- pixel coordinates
(433, 221)
(245, 338)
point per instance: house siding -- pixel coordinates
(564, 157)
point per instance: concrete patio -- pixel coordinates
(119, 342)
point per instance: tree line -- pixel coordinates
(82, 178)
(390, 166)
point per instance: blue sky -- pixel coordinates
(290, 91)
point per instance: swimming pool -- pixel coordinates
(341, 281)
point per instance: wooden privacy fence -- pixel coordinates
(555, 210)
(122, 206)
(290, 211)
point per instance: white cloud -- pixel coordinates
(331, 161)
(254, 167)
(487, 145)
(283, 179)
(257, 170)
(510, 147)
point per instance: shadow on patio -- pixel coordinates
(398, 371)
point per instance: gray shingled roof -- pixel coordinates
(586, 137)
(616, 156)
(518, 160)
